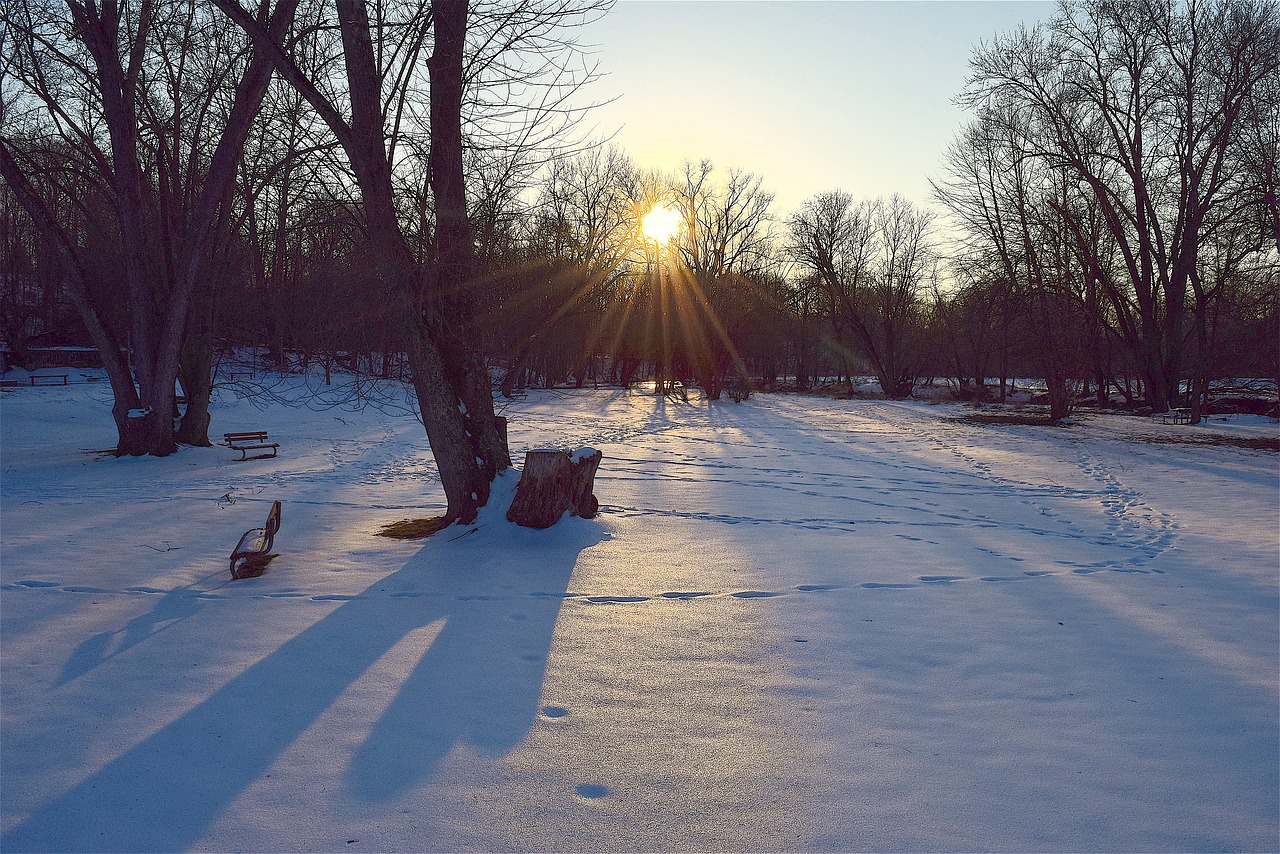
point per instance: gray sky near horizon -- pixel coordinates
(812, 96)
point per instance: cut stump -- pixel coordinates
(553, 482)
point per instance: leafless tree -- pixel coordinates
(556, 296)
(1142, 106)
(110, 82)
(874, 262)
(725, 241)
(431, 300)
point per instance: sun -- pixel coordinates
(661, 223)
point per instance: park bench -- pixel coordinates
(60, 378)
(1176, 416)
(251, 551)
(253, 440)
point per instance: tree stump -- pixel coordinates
(553, 482)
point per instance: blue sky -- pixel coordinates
(813, 96)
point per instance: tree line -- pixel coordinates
(151, 143)
(399, 188)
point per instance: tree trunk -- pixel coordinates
(130, 432)
(451, 297)
(1059, 389)
(197, 386)
(553, 482)
(195, 367)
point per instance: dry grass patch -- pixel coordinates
(1253, 443)
(1024, 419)
(414, 529)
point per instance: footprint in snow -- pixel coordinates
(684, 595)
(941, 579)
(875, 585)
(554, 712)
(755, 594)
(816, 588)
(591, 791)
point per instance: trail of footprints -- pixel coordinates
(583, 598)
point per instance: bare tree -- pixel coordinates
(555, 296)
(125, 68)
(431, 305)
(1142, 105)
(467, 439)
(874, 262)
(727, 239)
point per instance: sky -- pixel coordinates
(813, 96)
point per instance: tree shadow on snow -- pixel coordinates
(172, 609)
(497, 595)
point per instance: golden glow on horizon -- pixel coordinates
(661, 223)
(660, 318)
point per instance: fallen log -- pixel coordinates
(551, 483)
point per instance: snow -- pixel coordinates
(796, 624)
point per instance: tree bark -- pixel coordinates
(554, 482)
(453, 326)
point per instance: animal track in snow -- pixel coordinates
(237, 592)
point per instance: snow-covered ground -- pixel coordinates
(797, 623)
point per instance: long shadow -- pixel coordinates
(174, 607)
(499, 594)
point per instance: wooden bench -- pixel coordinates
(253, 440)
(253, 547)
(1176, 416)
(62, 377)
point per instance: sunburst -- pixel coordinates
(661, 224)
